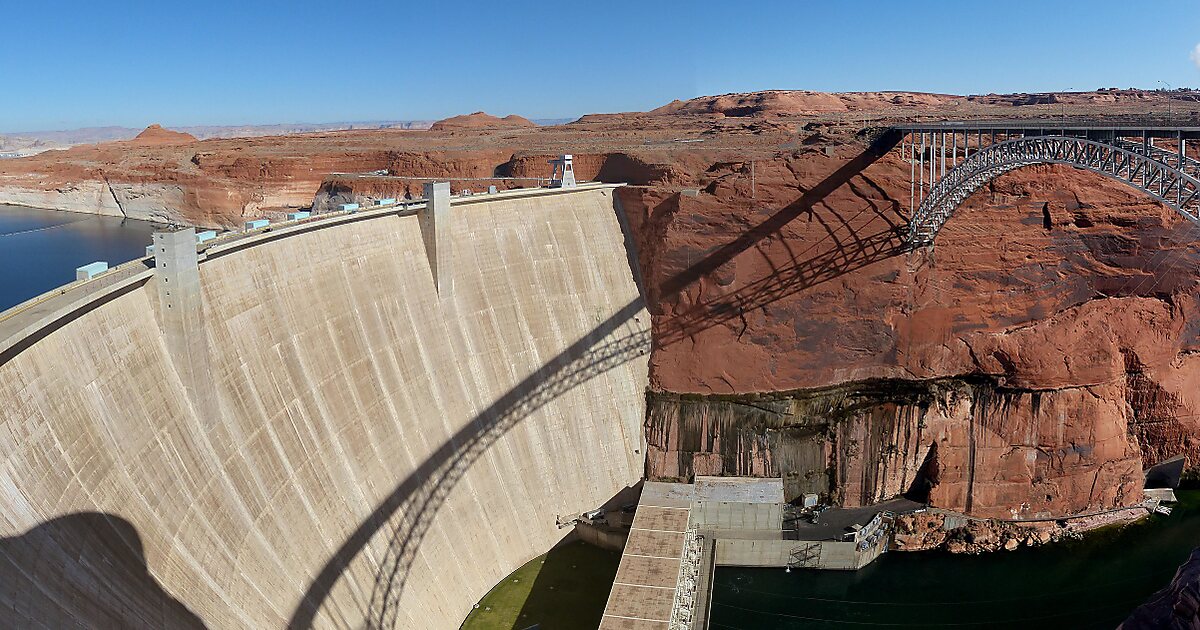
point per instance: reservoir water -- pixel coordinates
(1091, 583)
(40, 249)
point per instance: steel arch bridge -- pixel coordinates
(977, 153)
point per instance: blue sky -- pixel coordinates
(73, 63)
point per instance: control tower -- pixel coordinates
(564, 172)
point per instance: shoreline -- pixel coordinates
(4, 204)
(959, 533)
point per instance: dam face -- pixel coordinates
(336, 444)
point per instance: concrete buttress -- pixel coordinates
(181, 315)
(435, 231)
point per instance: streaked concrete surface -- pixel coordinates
(379, 455)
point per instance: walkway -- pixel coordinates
(833, 523)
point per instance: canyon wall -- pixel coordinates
(961, 445)
(342, 446)
(1066, 301)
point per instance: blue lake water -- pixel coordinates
(40, 249)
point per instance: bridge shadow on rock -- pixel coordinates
(852, 241)
(804, 205)
(839, 253)
(404, 517)
(85, 570)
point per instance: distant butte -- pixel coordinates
(156, 135)
(481, 120)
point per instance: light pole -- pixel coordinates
(1170, 89)
(1062, 109)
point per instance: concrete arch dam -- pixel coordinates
(305, 428)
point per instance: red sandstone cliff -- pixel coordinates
(1074, 299)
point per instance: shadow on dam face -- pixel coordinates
(84, 570)
(90, 568)
(407, 513)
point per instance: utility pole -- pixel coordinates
(1170, 117)
(1062, 109)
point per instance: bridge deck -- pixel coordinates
(949, 160)
(1069, 126)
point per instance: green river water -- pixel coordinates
(1091, 583)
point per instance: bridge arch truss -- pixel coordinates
(976, 158)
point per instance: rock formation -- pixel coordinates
(480, 120)
(800, 102)
(155, 135)
(1060, 306)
